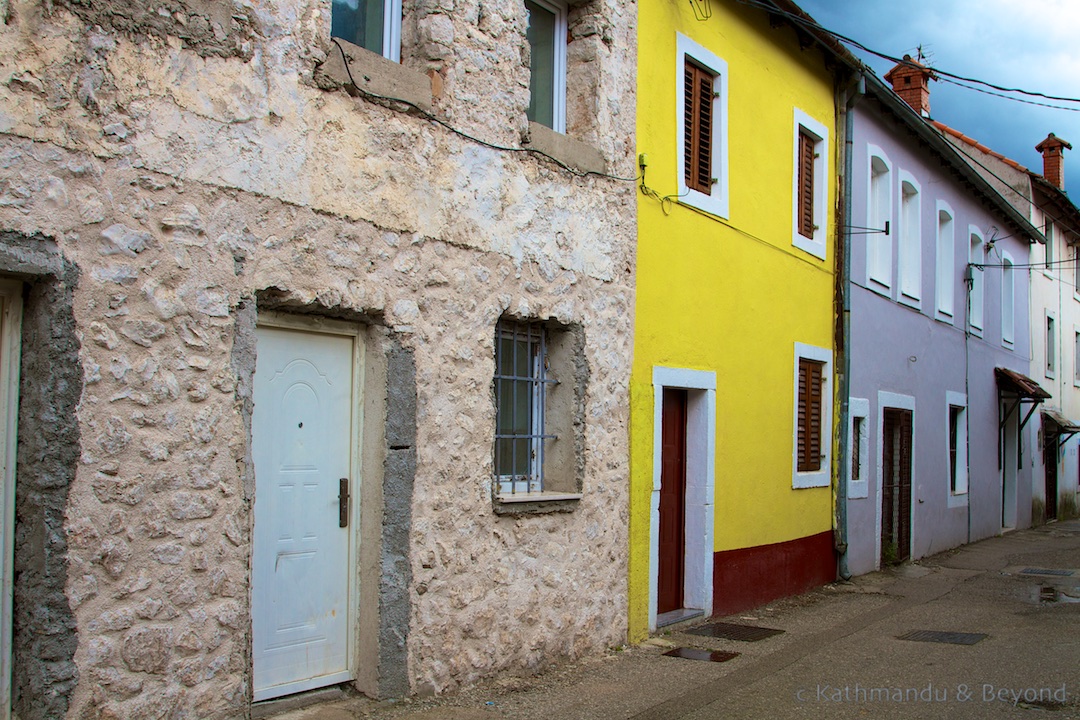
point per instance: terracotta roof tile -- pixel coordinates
(978, 146)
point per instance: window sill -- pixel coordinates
(814, 246)
(957, 499)
(811, 479)
(911, 301)
(536, 503)
(373, 74)
(876, 286)
(565, 149)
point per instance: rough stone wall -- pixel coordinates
(183, 183)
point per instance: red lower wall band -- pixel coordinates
(749, 577)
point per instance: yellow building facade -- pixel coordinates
(732, 385)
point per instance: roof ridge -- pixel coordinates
(979, 146)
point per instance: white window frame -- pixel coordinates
(909, 255)
(507, 485)
(1076, 356)
(879, 278)
(816, 245)
(1008, 292)
(1076, 271)
(859, 408)
(716, 202)
(1051, 330)
(822, 476)
(391, 31)
(959, 497)
(977, 293)
(558, 103)
(1049, 254)
(945, 263)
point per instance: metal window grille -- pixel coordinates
(521, 382)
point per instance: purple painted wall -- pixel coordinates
(905, 347)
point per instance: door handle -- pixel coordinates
(343, 502)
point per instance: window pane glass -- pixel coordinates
(359, 22)
(541, 36)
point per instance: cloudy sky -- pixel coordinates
(1028, 44)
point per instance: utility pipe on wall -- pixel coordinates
(851, 98)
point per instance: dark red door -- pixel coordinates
(672, 502)
(896, 486)
(1050, 462)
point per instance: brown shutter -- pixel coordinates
(806, 185)
(697, 128)
(809, 430)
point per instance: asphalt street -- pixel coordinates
(866, 648)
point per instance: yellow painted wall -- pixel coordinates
(735, 295)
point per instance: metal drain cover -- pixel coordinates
(953, 638)
(731, 631)
(696, 654)
(1046, 571)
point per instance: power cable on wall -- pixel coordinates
(460, 133)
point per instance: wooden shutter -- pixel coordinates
(809, 430)
(697, 128)
(806, 185)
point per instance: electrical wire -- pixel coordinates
(439, 121)
(814, 25)
(1006, 97)
(1056, 219)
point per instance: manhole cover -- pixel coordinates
(696, 654)
(1046, 571)
(731, 631)
(953, 638)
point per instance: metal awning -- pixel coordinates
(1019, 385)
(1055, 423)
(1016, 390)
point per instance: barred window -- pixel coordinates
(521, 385)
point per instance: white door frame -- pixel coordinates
(10, 353)
(899, 402)
(328, 326)
(700, 479)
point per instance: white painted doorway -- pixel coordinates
(10, 343)
(700, 386)
(305, 429)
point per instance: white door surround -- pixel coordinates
(700, 478)
(10, 343)
(901, 402)
(305, 438)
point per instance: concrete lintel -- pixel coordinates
(29, 254)
(372, 73)
(565, 149)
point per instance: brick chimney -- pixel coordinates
(1053, 162)
(911, 81)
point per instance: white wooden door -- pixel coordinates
(302, 575)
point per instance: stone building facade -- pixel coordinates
(176, 178)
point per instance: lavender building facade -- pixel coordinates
(938, 344)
